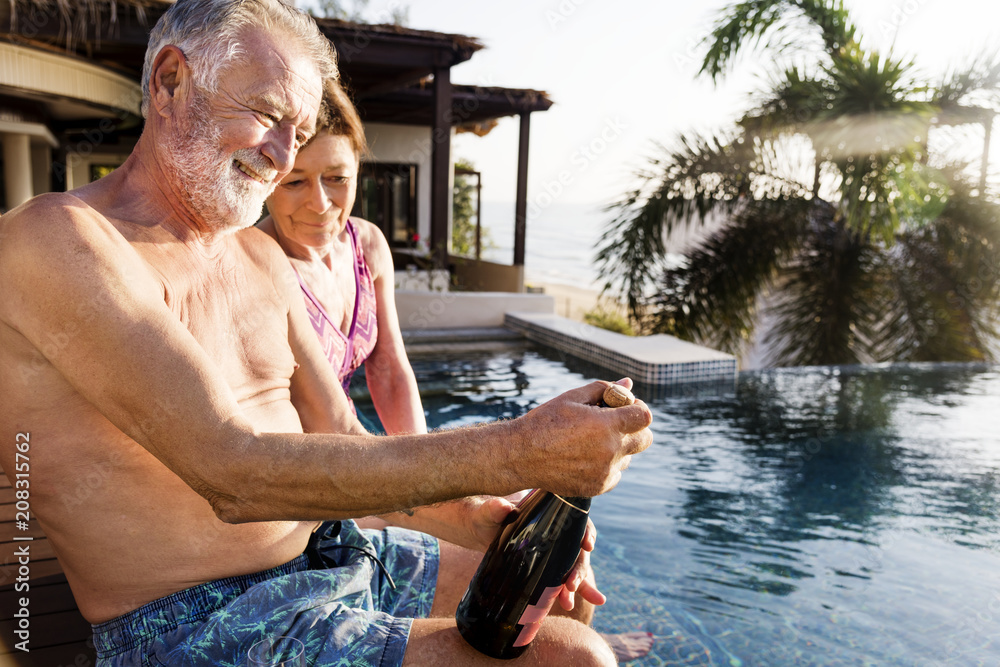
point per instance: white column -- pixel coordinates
(17, 169)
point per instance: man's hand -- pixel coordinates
(580, 579)
(572, 446)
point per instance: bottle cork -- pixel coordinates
(617, 396)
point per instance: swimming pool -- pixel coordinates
(815, 516)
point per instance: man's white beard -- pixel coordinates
(208, 181)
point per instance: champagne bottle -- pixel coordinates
(524, 568)
(522, 573)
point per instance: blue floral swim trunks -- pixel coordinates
(350, 598)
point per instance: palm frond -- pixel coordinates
(934, 320)
(945, 277)
(713, 298)
(738, 24)
(821, 312)
(980, 76)
(704, 175)
(793, 101)
(630, 251)
(834, 23)
(776, 25)
(901, 260)
(882, 194)
(871, 83)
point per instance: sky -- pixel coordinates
(624, 77)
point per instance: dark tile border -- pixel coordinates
(640, 371)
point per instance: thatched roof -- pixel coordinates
(461, 43)
(387, 67)
(115, 32)
(83, 21)
(90, 20)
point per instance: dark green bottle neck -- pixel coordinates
(579, 502)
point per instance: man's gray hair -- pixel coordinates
(207, 32)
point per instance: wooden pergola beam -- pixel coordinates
(441, 166)
(521, 200)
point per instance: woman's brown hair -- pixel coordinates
(339, 117)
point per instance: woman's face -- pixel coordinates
(311, 204)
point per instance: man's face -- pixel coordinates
(229, 149)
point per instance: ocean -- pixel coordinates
(560, 245)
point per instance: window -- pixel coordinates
(387, 196)
(100, 170)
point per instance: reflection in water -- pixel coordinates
(457, 391)
(832, 516)
(819, 516)
(820, 460)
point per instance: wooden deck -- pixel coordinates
(59, 635)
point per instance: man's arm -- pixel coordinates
(130, 349)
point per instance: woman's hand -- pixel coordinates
(485, 517)
(470, 522)
(580, 579)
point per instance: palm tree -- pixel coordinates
(836, 224)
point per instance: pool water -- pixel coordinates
(814, 516)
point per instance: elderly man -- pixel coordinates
(147, 342)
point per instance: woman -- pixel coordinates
(344, 265)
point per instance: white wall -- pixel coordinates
(409, 144)
(459, 310)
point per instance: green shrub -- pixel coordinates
(606, 319)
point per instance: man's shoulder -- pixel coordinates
(50, 222)
(263, 252)
(48, 206)
(56, 248)
(260, 247)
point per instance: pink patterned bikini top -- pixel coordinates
(347, 353)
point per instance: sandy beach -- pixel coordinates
(571, 302)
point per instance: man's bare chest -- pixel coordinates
(232, 309)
